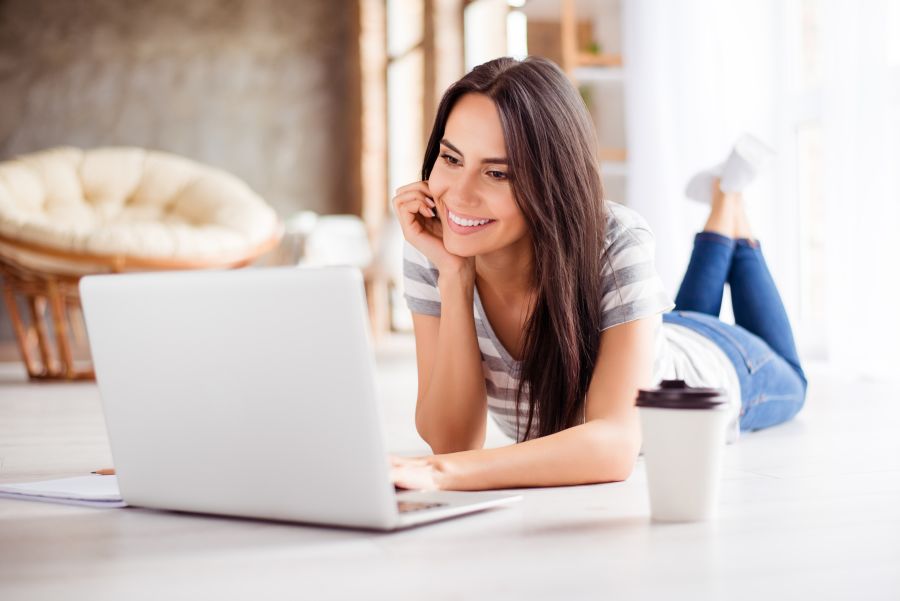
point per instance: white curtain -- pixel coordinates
(698, 74)
(701, 72)
(861, 119)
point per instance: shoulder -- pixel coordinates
(632, 288)
(623, 221)
(628, 237)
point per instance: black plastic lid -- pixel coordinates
(676, 394)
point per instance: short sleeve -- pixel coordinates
(420, 286)
(632, 288)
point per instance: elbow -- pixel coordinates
(444, 449)
(624, 460)
(617, 457)
(445, 445)
(621, 469)
(425, 431)
(443, 441)
(613, 469)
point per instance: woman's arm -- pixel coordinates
(451, 408)
(603, 449)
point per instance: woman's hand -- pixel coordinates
(417, 473)
(418, 216)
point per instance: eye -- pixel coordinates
(452, 160)
(497, 175)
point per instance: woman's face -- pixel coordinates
(470, 182)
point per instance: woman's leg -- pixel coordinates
(755, 300)
(726, 251)
(757, 304)
(703, 284)
(760, 344)
(772, 391)
(704, 281)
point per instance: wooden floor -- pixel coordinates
(809, 510)
(9, 352)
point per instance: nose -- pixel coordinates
(462, 190)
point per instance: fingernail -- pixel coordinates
(430, 201)
(433, 214)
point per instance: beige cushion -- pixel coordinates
(126, 202)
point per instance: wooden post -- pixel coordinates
(373, 209)
(373, 111)
(569, 37)
(57, 311)
(19, 329)
(444, 53)
(38, 307)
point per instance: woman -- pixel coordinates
(536, 301)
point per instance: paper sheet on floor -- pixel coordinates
(90, 491)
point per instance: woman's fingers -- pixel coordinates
(415, 473)
(413, 196)
(422, 227)
(420, 187)
(413, 199)
(410, 212)
(426, 211)
(411, 205)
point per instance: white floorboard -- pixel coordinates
(809, 510)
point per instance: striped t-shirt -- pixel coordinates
(632, 289)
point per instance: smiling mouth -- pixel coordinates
(467, 222)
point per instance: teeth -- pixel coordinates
(466, 222)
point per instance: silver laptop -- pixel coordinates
(250, 393)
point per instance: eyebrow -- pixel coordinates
(492, 161)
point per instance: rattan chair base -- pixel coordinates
(52, 305)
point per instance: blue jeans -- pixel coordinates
(760, 345)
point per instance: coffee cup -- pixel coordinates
(683, 440)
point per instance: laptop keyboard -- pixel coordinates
(408, 506)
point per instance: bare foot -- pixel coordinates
(732, 205)
(724, 211)
(718, 195)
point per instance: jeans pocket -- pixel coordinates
(754, 351)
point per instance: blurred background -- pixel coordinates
(323, 107)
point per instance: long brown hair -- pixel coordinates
(555, 177)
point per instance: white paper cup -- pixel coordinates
(683, 440)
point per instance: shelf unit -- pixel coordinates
(566, 31)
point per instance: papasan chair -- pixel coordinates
(67, 212)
